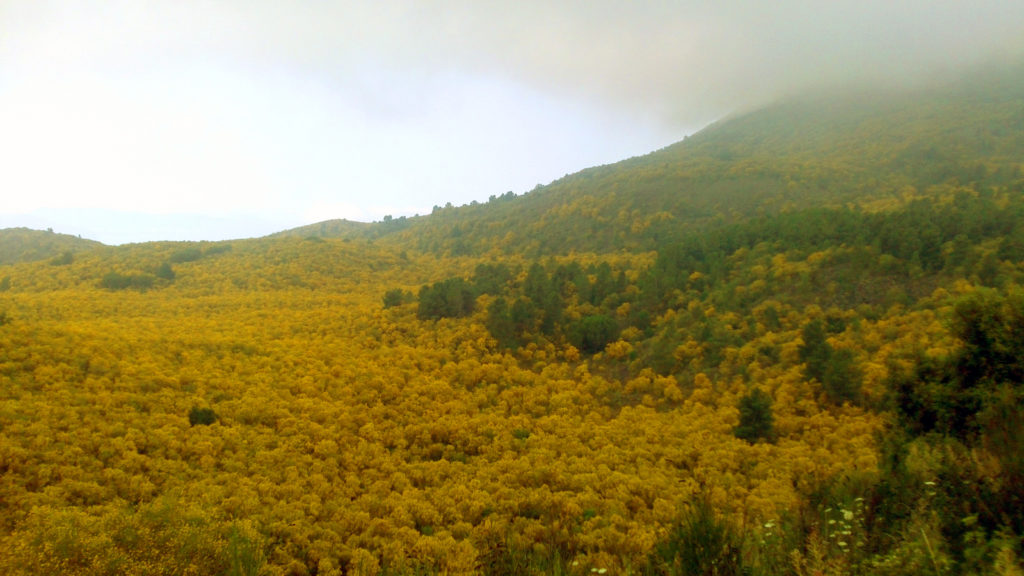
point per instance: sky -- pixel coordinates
(137, 120)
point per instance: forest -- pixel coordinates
(792, 343)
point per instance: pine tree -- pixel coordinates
(755, 417)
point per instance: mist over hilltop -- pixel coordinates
(271, 116)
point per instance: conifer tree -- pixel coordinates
(755, 417)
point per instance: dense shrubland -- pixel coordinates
(612, 419)
(639, 384)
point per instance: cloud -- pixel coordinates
(269, 107)
(685, 61)
(689, 60)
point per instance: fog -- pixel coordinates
(289, 113)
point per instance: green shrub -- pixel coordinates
(64, 259)
(165, 271)
(117, 281)
(394, 297)
(244, 554)
(701, 543)
(201, 416)
(190, 254)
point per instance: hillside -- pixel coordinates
(24, 245)
(874, 150)
(790, 344)
(326, 229)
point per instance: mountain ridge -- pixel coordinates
(873, 148)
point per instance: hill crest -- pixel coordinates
(27, 245)
(872, 149)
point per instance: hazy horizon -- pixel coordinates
(131, 122)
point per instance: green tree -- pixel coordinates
(755, 417)
(165, 272)
(949, 395)
(842, 379)
(524, 316)
(991, 327)
(815, 350)
(500, 323)
(835, 370)
(593, 333)
(491, 278)
(546, 297)
(394, 297)
(451, 298)
(659, 352)
(974, 395)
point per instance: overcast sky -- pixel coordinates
(136, 120)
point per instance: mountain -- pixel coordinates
(872, 149)
(791, 344)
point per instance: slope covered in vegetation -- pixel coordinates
(871, 151)
(788, 345)
(24, 245)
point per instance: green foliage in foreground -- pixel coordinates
(167, 535)
(700, 543)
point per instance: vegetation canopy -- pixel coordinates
(791, 344)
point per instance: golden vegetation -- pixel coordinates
(352, 437)
(792, 387)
